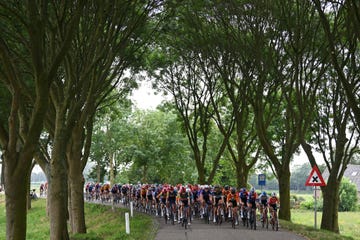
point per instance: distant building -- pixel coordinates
(352, 172)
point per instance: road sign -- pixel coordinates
(261, 179)
(315, 178)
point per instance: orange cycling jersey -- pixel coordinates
(231, 197)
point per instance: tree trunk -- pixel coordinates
(17, 185)
(330, 193)
(111, 174)
(58, 185)
(76, 185)
(57, 200)
(76, 203)
(284, 189)
(241, 176)
(201, 172)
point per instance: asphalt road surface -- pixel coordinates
(198, 230)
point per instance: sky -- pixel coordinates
(144, 97)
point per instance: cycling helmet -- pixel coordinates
(273, 194)
(226, 187)
(233, 190)
(264, 193)
(252, 189)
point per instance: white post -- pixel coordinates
(127, 223)
(131, 209)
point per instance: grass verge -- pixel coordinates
(303, 224)
(101, 221)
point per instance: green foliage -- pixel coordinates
(348, 196)
(148, 147)
(309, 204)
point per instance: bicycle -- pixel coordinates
(252, 218)
(244, 216)
(265, 218)
(184, 219)
(171, 213)
(219, 214)
(274, 220)
(233, 216)
(207, 213)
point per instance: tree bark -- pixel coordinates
(284, 189)
(330, 219)
(17, 184)
(58, 183)
(76, 203)
(76, 183)
(241, 176)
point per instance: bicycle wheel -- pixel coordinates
(172, 217)
(165, 215)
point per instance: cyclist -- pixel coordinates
(263, 200)
(205, 198)
(143, 192)
(184, 202)
(162, 197)
(150, 199)
(251, 200)
(226, 192)
(171, 200)
(218, 200)
(273, 201)
(243, 199)
(233, 201)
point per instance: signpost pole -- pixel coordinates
(315, 179)
(315, 207)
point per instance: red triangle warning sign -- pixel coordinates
(315, 178)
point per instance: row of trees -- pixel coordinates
(59, 63)
(252, 80)
(272, 76)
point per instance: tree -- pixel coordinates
(336, 139)
(149, 146)
(99, 55)
(340, 21)
(287, 73)
(220, 26)
(29, 66)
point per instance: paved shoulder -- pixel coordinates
(201, 231)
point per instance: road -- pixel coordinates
(201, 231)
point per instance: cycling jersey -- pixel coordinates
(184, 198)
(218, 196)
(171, 197)
(233, 198)
(263, 199)
(206, 196)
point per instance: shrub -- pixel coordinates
(309, 204)
(348, 196)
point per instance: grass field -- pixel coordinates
(349, 223)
